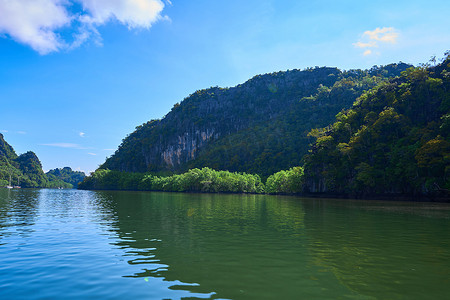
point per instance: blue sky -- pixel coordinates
(77, 76)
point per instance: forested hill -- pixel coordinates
(394, 140)
(25, 170)
(259, 126)
(66, 174)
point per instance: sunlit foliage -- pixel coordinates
(394, 140)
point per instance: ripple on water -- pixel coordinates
(120, 245)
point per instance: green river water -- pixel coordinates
(70, 244)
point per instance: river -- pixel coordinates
(71, 244)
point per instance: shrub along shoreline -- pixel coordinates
(205, 180)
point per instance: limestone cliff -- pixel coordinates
(243, 127)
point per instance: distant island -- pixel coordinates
(67, 175)
(25, 171)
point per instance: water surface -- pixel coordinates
(69, 244)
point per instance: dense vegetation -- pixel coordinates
(258, 127)
(25, 170)
(389, 135)
(195, 180)
(286, 182)
(67, 175)
(394, 140)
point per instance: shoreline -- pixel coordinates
(378, 197)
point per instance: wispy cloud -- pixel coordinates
(385, 34)
(37, 23)
(109, 149)
(375, 38)
(82, 134)
(16, 132)
(367, 52)
(365, 45)
(92, 153)
(64, 145)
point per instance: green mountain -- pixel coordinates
(260, 126)
(66, 174)
(394, 140)
(24, 170)
(30, 166)
(7, 162)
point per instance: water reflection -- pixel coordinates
(84, 244)
(382, 248)
(17, 211)
(230, 245)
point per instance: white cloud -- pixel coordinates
(64, 145)
(21, 132)
(385, 34)
(133, 13)
(375, 38)
(82, 134)
(4, 131)
(109, 149)
(33, 22)
(36, 22)
(92, 154)
(367, 52)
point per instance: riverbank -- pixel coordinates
(206, 180)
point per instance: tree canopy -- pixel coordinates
(393, 140)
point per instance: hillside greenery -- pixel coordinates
(383, 131)
(259, 127)
(395, 139)
(67, 175)
(25, 170)
(280, 143)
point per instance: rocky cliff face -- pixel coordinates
(210, 114)
(186, 147)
